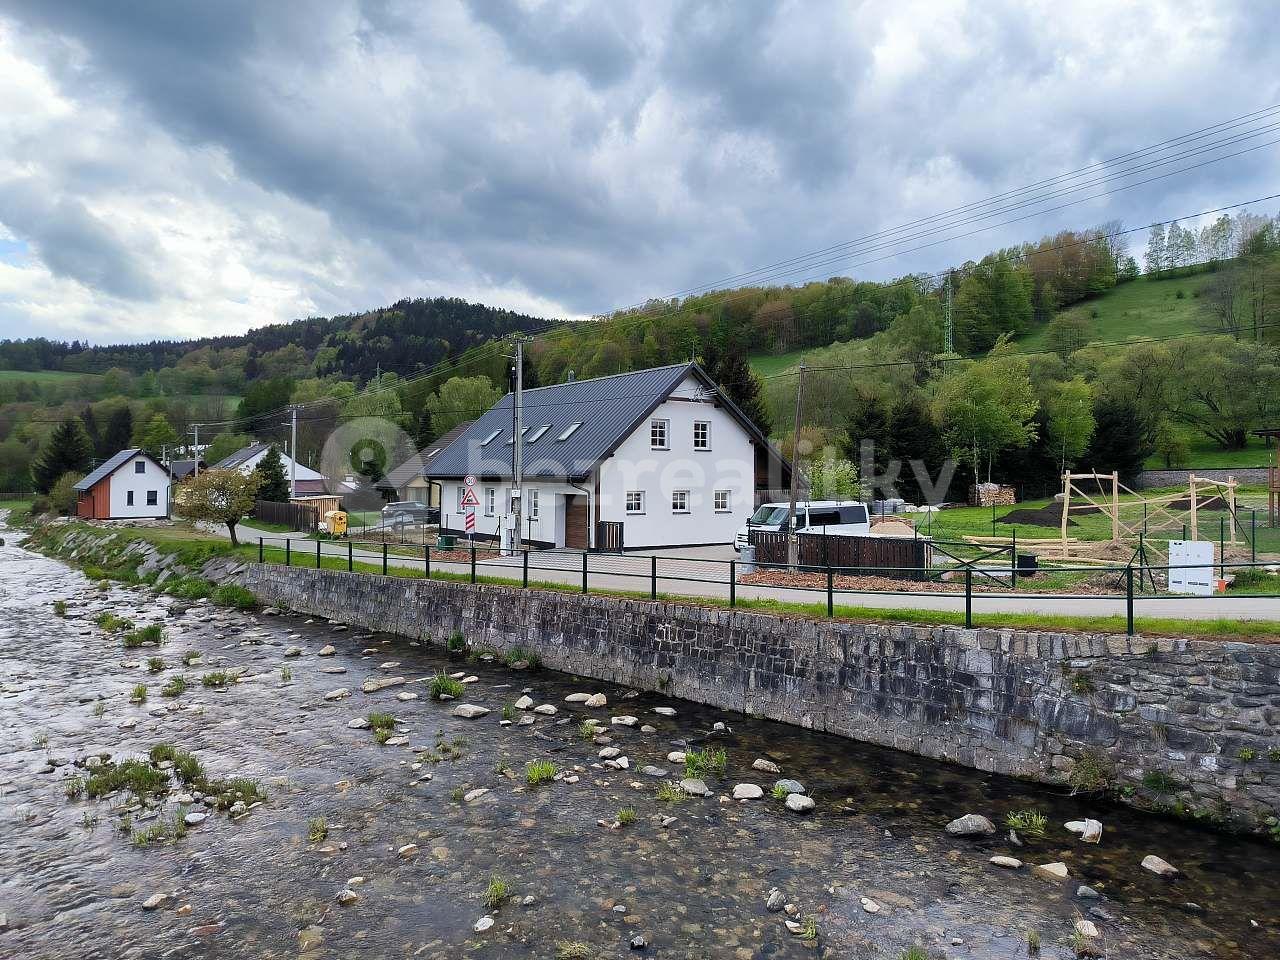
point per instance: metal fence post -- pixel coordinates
(351, 556)
(1222, 546)
(260, 551)
(384, 558)
(653, 578)
(733, 583)
(318, 542)
(831, 611)
(968, 597)
(473, 563)
(288, 544)
(426, 561)
(584, 571)
(1013, 556)
(1128, 590)
(524, 568)
(1253, 536)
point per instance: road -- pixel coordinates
(701, 572)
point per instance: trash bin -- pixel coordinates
(1028, 564)
(447, 541)
(747, 561)
(335, 523)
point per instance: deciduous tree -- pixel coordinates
(219, 496)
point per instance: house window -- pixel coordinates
(490, 438)
(722, 501)
(533, 504)
(569, 432)
(461, 494)
(679, 501)
(658, 434)
(153, 498)
(128, 498)
(490, 499)
(702, 434)
(139, 466)
(537, 434)
(635, 501)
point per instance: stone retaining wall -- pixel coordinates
(1205, 715)
(1179, 478)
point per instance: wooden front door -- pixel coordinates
(576, 520)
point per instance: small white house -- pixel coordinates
(132, 485)
(306, 481)
(655, 458)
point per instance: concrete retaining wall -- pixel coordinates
(1015, 702)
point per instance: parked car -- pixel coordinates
(833, 517)
(410, 511)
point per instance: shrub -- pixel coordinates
(1092, 773)
(539, 772)
(443, 685)
(234, 595)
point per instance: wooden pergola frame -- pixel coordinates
(1157, 508)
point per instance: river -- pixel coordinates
(72, 884)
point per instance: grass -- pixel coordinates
(155, 665)
(190, 657)
(574, 950)
(285, 674)
(1092, 773)
(59, 608)
(779, 793)
(670, 792)
(456, 642)
(538, 772)
(810, 929)
(914, 953)
(138, 694)
(442, 685)
(74, 788)
(381, 721)
(317, 830)
(702, 763)
(588, 729)
(1030, 823)
(769, 364)
(508, 713)
(161, 832)
(1033, 941)
(1157, 781)
(111, 623)
(152, 633)
(216, 678)
(518, 655)
(627, 816)
(497, 892)
(234, 595)
(175, 687)
(137, 776)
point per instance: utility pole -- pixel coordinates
(195, 429)
(517, 444)
(948, 334)
(793, 544)
(293, 454)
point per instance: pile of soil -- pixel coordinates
(1050, 515)
(1212, 502)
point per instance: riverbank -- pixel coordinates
(871, 864)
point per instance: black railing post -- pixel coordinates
(260, 550)
(831, 610)
(384, 558)
(288, 545)
(426, 561)
(968, 597)
(1013, 556)
(1222, 547)
(653, 578)
(351, 556)
(473, 562)
(1128, 590)
(584, 571)
(733, 583)
(1253, 536)
(524, 568)
(318, 542)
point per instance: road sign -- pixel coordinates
(469, 480)
(471, 521)
(469, 498)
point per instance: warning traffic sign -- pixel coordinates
(469, 498)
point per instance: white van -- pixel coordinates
(835, 517)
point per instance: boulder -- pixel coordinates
(596, 700)
(328, 650)
(971, 825)
(374, 684)
(1050, 871)
(524, 703)
(747, 791)
(577, 698)
(695, 788)
(765, 766)
(469, 711)
(1158, 866)
(799, 803)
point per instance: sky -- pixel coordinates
(171, 168)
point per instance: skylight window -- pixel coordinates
(537, 434)
(572, 429)
(490, 438)
(523, 431)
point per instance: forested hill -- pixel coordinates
(403, 338)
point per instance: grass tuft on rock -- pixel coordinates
(234, 595)
(538, 772)
(442, 685)
(702, 763)
(497, 892)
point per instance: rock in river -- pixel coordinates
(524, 703)
(695, 788)
(1010, 863)
(765, 766)
(971, 825)
(1158, 866)
(469, 711)
(789, 786)
(374, 684)
(155, 901)
(799, 803)
(328, 650)
(747, 791)
(1050, 871)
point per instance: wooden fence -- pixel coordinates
(297, 516)
(902, 558)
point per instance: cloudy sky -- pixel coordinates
(177, 168)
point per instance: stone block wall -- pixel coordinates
(1173, 721)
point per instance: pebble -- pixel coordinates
(675, 756)
(340, 694)
(546, 709)
(596, 700)
(346, 897)
(470, 711)
(155, 901)
(665, 711)
(577, 698)
(870, 906)
(608, 753)
(799, 803)
(524, 703)
(1013, 863)
(971, 825)
(1087, 893)
(483, 924)
(695, 788)
(747, 791)
(638, 942)
(408, 850)
(195, 819)
(472, 795)
(359, 723)
(293, 652)
(1158, 866)
(1050, 871)
(652, 771)
(624, 721)
(328, 650)
(765, 766)
(775, 901)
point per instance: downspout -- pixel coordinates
(591, 527)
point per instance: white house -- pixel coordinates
(660, 456)
(307, 481)
(131, 485)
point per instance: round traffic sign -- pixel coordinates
(470, 481)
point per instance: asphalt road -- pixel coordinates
(699, 573)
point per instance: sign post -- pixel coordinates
(469, 503)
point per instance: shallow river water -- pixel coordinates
(73, 885)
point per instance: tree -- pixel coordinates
(1069, 420)
(157, 436)
(262, 398)
(916, 444)
(1067, 333)
(119, 433)
(1156, 257)
(63, 494)
(1171, 446)
(1121, 439)
(67, 450)
(273, 484)
(740, 384)
(90, 421)
(223, 445)
(219, 496)
(460, 400)
(831, 479)
(426, 431)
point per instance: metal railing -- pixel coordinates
(731, 581)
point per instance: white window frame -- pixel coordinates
(537, 434)
(139, 466)
(728, 501)
(569, 432)
(680, 497)
(490, 438)
(461, 494)
(153, 498)
(490, 499)
(706, 435)
(656, 425)
(128, 498)
(639, 502)
(533, 505)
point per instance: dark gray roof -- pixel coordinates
(608, 410)
(182, 469)
(416, 466)
(240, 456)
(111, 465)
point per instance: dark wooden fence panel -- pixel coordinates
(299, 516)
(904, 558)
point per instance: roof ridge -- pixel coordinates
(607, 376)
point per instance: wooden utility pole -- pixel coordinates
(793, 543)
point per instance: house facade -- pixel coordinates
(409, 480)
(661, 456)
(308, 482)
(132, 485)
